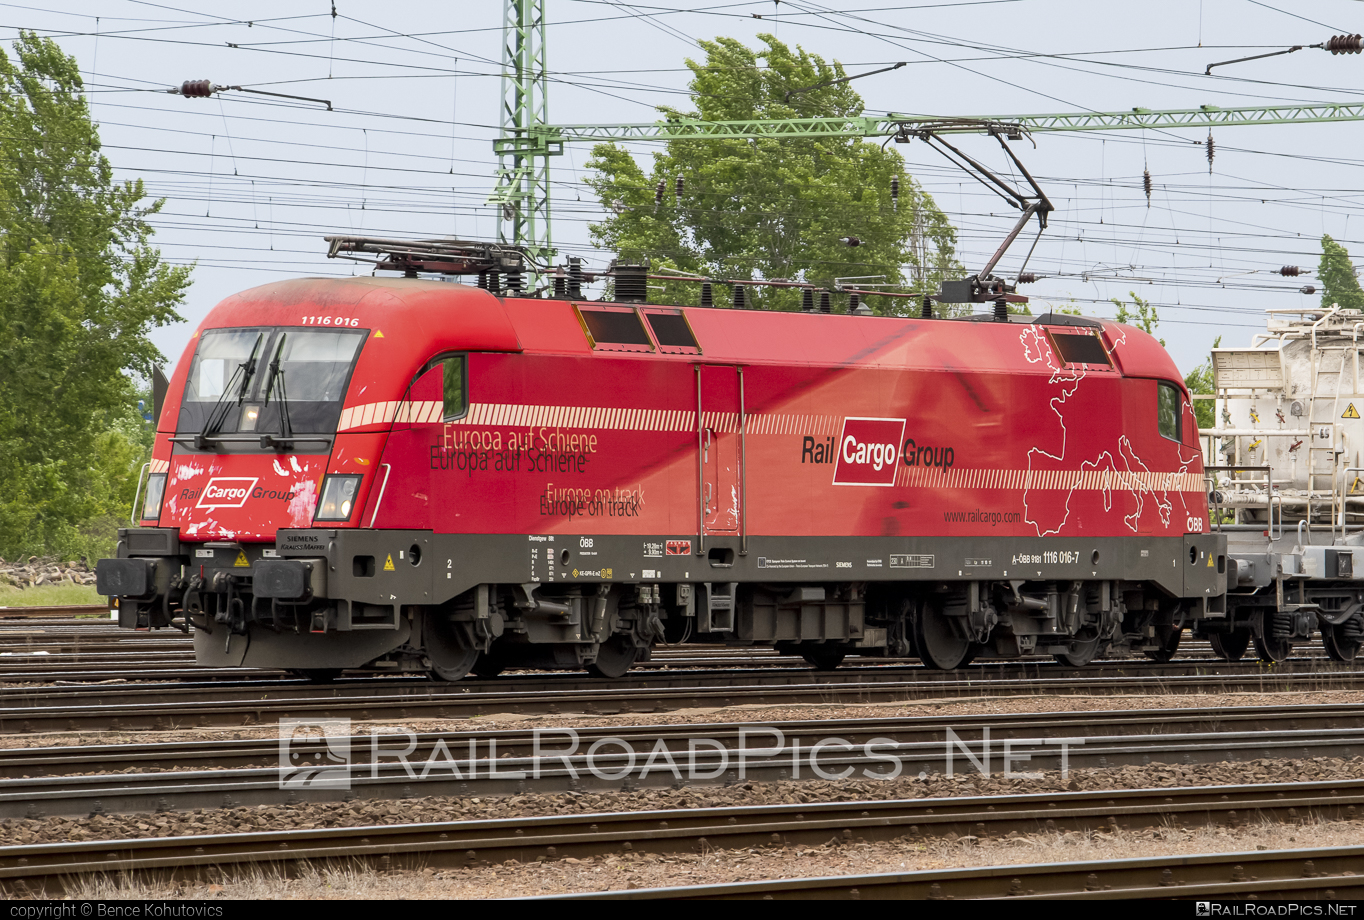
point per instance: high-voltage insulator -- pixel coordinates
(895, 193)
(1026, 278)
(926, 308)
(807, 300)
(1146, 185)
(658, 192)
(1210, 151)
(1308, 289)
(679, 185)
(1345, 44)
(1290, 271)
(850, 240)
(198, 89)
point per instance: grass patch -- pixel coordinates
(50, 596)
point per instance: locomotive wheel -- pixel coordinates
(317, 675)
(1267, 646)
(1168, 637)
(452, 656)
(937, 645)
(823, 657)
(1079, 652)
(489, 666)
(615, 657)
(1338, 647)
(1230, 646)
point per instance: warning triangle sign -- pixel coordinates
(242, 562)
(378, 333)
(388, 563)
(1350, 412)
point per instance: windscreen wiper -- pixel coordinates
(245, 371)
(276, 379)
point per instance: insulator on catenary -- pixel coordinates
(1308, 289)
(658, 192)
(1290, 271)
(1026, 278)
(1345, 44)
(200, 89)
(1211, 151)
(895, 193)
(679, 185)
(1146, 185)
(850, 240)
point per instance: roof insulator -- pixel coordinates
(575, 277)
(707, 294)
(1345, 44)
(825, 306)
(740, 297)
(1001, 310)
(926, 310)
(807, 300)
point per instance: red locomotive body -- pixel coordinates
(410, 474)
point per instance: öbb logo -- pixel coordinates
(226, 492)
(867, 451)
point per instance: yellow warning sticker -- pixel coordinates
(378, 333)
(1209, 560)
(242, 562)
(1350, 412)
(388, 563)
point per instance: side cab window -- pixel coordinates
(1169, 411)
(454, 384)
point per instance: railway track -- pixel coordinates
(235, 753)
(137, 707)
(1330, 873)
(615, 757)
(50, 869)
(67, 611)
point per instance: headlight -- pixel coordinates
(156, 490)
(338, 498)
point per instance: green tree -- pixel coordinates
(1141, 314)
(80, 288)
(772, 208)
(1338, 282)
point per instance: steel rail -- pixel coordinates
(49, 869)
(1328, 873)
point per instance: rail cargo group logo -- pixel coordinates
(226, 492)
(867, 451)
(314, 753)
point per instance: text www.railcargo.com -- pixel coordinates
(981, 516)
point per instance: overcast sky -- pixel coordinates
(252, 184)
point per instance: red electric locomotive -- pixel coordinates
(399, 474)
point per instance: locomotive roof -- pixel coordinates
(418, 318)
